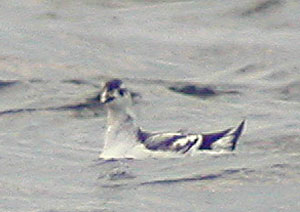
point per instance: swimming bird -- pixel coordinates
(124, 139)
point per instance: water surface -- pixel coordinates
(195, 65)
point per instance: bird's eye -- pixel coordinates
(122, 92)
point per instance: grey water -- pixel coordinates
(198, 66)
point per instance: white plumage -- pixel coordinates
(124, 139)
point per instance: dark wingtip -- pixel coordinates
(209, 139)
(237, 133)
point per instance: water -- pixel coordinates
(235, 60)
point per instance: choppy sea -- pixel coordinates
(195, 65)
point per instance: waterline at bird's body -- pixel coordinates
(124, 139)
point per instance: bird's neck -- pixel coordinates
(121, 126)
(119, 118)
(121, 134)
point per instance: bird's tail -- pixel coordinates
(224, 139)
(236, 134)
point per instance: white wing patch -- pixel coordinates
(223, 143)
(185, 144)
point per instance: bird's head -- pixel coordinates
(115, 95)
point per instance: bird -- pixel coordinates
(124, 139)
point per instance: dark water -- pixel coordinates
(194, 65)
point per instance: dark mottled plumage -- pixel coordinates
(180, 142)
(209, 139)
(119, 102)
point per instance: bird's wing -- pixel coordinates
(183, 142)
(176, 142)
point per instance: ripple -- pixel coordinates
(291, 91)
(120, 175)
(223, 174)
(15, 111)
(71, 107)
(182, 180)
(4, 84)
(262, 7)
(202, 92)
